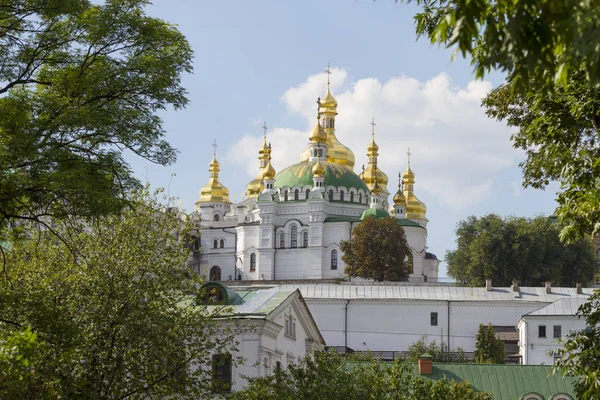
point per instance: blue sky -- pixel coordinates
(259, 60)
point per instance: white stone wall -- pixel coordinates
(535, 349)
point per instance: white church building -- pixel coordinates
(290, 224)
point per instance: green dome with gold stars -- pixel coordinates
(335, 175)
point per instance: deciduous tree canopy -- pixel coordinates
(526, 249)
(377, 250)
(80, 83)
(113, 317)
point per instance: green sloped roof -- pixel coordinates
(335, 175)
(342, 219)
(408, 222)
(503, 382)
(374, 212)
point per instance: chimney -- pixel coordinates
(425, 364)
(548, 287)
(488, 285)
(515, 285)
(579, 288)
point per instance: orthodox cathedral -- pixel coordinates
(290, 224)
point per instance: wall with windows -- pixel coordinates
(539, 334)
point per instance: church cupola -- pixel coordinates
(337, 153)
(415, 208)
(372, 171)
(268, 175)
(400, 201)
(255, 187)
(214, 197)
(376, 209)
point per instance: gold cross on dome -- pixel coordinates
(265, 128)
(373, 125)
(328, 70)
(408, 153)
(215, 147)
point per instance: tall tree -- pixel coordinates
(488, 348)
(113, 316)
(559, 135)
(526, 249)
(80, 83)
(377, 250)
(580, 355)
(324, 376)
(544, 40)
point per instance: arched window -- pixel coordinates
(410, 263)
(532, 396)
(215, 273)
(352, 197)
(294, 237)
(222, 243)
(307, 193)
(285, 196)
(360, 198)
(252, 262)
(330, 194)
(341, 195)
(296, 194)
(305, 239)
(333, 259)
(215, 244)
(282, 240)
(216, 217)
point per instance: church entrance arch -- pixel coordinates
(215, 273)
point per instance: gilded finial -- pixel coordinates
(408, 153)
(265, 130)
(328, 73)
(373, 127)
(214, 145)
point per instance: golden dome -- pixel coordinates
(268, 172)
(318, 133)
(318, 169)
(214, 191)
(415, 208)
(373, 172)
(256, 185)
(399, 198)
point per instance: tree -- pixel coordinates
(79, 84)
(580, 355)
(327, 376)
(544, 40)
(559, 135)
(113, 316)
(526, 249)
(377, 250)
(438, 353)
(488, 348)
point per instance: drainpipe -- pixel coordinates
(234, 250)
(448, 324)
(275, 253)
(525, 358)
(346, 325)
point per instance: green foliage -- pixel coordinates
(488, 348)
(559, 134)
(80, 83)
(324, 376)
(439, 353)
(377, 250)
(111, 311)
(543, 39)
(526, 249)
(580, 355)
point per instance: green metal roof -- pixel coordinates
(335, 175)
(342, 219)
(375, 213)
(503, 382)
(408, 222)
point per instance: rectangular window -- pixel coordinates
(434, 319)
(221, 373)
(557, 331)
(542, 331)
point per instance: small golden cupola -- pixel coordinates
(268, 172)
(214, 191)
(399, 200)
(415, 208)
(373, 172)
(256, 185)
(337, 153)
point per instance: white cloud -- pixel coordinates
(456, 150)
